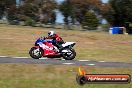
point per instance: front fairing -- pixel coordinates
(39, 40)
(47, 46)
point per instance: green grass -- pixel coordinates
(49, 76)
(17, 41)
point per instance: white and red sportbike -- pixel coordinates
(47, 49)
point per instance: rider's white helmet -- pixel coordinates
(51, 33)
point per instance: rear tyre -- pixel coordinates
(36, 53)
(70, 55)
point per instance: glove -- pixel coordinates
(45, 37)
(41, 38)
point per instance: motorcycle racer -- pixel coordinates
(54, 47)
(56, 39)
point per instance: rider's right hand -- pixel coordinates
(46, 37)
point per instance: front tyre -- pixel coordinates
(36, 53)
(69, 55)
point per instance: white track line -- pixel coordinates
(43, 58)
(90, 64)
(102, 61)
(3, 56)
(62, 59)
(83, 60)
(68, 63)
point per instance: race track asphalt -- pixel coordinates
(26, 60)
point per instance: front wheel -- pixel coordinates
(36, 53)
(69, 54)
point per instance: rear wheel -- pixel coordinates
(69, 55)
(36, 53)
